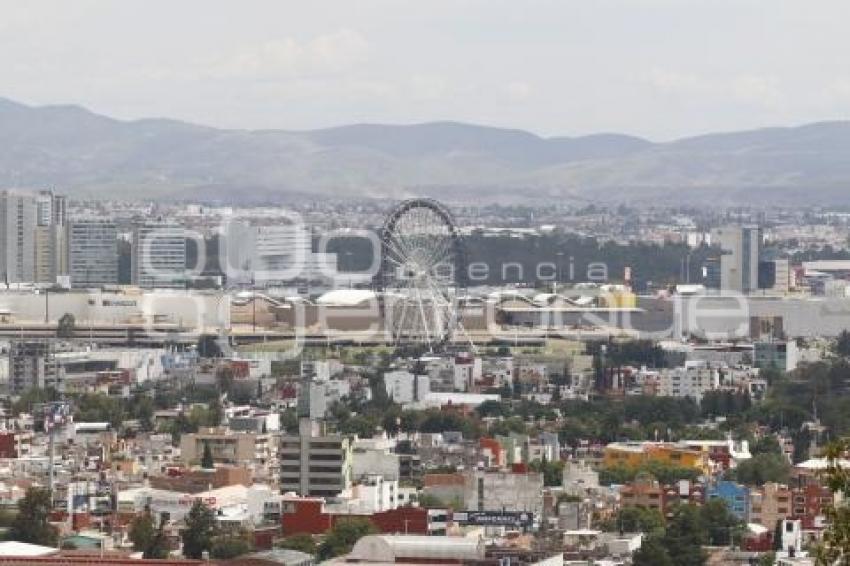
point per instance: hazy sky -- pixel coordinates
(656, 68)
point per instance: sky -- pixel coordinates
(661, 69)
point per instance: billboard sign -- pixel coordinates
(494, 518)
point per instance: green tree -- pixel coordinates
(842, 344)
(341, 538)
(835, 545)
(32, 522)
(720, 523)
(652, 553)
(65, 326)
(767, 444)
(99, 407)
(761, 469)
(636, 520)
(207, 461)
(685, 536)
(553, 472)
(200, 530)
(32, 397)
(142, 531)
(301, 543)
(215, 414)
(147, 538)
(230, 545)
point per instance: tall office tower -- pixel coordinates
(92, 253)
(739, 264)
(159, 256)
(50, 237)
(17, 236)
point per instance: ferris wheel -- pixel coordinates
(421, 270)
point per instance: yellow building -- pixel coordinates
(617, 297)
(635, 454)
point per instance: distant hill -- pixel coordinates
(86, 154)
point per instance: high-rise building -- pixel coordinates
(314, 464)
(32, 364)
(50, 237)
(92, 253)
(739, 264)
(50, 208)
(17, 236)
(159, 256)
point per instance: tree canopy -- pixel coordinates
(200, 530)
(32, 522)
(341, 538)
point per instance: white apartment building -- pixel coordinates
(739, 263)
(159, 256)
(467, 371)
(403, 387)
(693, 381)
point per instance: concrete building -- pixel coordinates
(92, 253)
(227, 447)
(50, 237)
(741, 248)
(500, 491)
(17, 236)
(770, 503)
(579, 478)
(50, 257)
(32, 364)
(159, 256)
(369, 460)
(467, 372)
(645, 492)
(314, 464)
(403, 387)
(692, 381)
(315, 398)
(781, 355)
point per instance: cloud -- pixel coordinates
(759, 90)
(288, 58)
(428, 87)
(518, 90)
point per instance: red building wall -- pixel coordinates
(305, 517)
(7, 445)
(404, 520)
(308, 517)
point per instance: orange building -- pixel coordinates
(635, 454)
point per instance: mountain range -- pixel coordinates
(89, 155)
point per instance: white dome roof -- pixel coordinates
(346, 297)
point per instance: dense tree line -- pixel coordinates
(678, 541)
(570, 255)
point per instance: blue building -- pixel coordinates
(736, 496)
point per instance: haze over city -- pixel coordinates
(658, 69)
